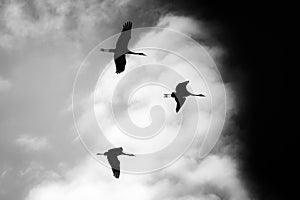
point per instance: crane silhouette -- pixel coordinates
(112, 157)
(122, 48)
(180, 94)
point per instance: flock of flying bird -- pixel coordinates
(120, 52)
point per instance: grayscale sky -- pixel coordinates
(42, 44)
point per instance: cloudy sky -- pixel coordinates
(42, 47)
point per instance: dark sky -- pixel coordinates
(253, 33)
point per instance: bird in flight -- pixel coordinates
(122, 48)
(112, 157)
(180, 94)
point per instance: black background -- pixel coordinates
(253, 33)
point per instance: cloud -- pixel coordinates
(186, 25)
(31, 143)
(215, 177)
(41, 45)
(34, 172)
(24, 21)
(3, 172)
(4, 84)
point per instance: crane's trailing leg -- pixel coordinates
(108, 50)
(198, 95)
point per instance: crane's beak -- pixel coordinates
(167, 95)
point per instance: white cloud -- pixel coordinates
(31, 143)
(182, 24)
(213, 178)
(35, 172)
(3, 173)
(56, 20)
(4, 84)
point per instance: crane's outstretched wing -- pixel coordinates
(115, 165)
(124, 38)
(181, 90)
(120, 62)
(179, 102)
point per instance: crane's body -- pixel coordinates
(180, 94)
(112, 157)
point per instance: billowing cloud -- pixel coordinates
(31, 143)
(213, 178)
(4, 84)
(24, 21)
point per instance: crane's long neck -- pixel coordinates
(134, 53)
